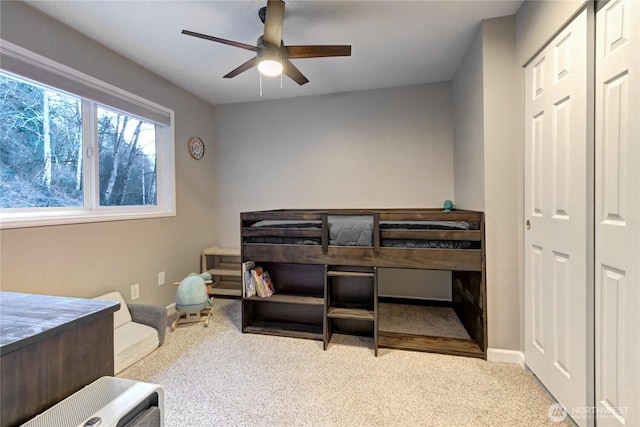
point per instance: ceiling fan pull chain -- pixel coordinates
(260, 84)
(281, 80)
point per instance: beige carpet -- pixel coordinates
(217, 376)
(420, 320)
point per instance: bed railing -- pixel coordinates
(321, 232)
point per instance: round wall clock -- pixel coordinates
(196, 147)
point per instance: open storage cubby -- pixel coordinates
(224, 266)
(468, 304)
(351, 301)
(296, 309)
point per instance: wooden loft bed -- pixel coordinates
(310, 252)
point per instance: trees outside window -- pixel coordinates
(127, 154)
(40, 146)
(63, 155)
(42, 150)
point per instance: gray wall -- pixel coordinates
(87, 260)
(369, 149)
(486, 166)
(501, 191)
(468, 128)
(378, 148)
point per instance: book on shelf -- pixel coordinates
(248, 285)
(268, 283)
(263, 289)
(256, 274)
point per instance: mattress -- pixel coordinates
(286, 240)
(350, 230)
(343, 231)
(357, 230)
(425, 225)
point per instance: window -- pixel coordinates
(126, 158)
(74, 149)
(40, 146)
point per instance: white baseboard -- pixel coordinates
(505, 356)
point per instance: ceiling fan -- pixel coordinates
(272, 56)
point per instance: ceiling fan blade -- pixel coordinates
(219, 40)
(291, 71)
(273, 23)
(320, 51)
(241, 69)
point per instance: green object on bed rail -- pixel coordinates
(448, 206)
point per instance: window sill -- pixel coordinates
(11, 221)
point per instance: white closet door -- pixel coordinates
(556, 214)
(617, 214)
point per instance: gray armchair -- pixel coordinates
(150, 315)
(138, 330)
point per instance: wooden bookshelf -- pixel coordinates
(296, 308)
(224, 266)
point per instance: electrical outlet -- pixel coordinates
(161, 278)
(135, 291)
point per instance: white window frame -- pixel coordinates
(101, 93)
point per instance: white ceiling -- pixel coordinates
(394, 42)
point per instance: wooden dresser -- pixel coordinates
(50, 347)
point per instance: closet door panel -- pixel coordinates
(556, 209)
(617, 214)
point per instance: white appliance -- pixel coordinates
(107, 402)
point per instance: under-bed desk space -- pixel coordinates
(426, 239)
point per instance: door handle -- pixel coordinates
(528, 224)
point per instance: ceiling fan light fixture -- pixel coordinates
(270, 67)
(271, 53)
